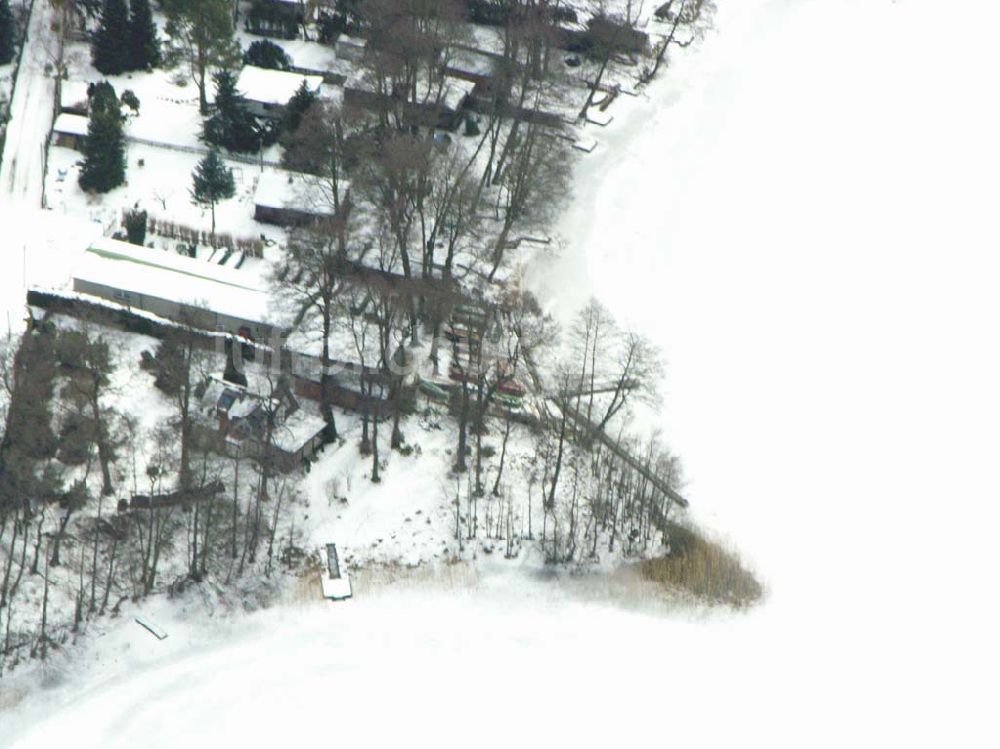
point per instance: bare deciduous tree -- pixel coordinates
(532, 186)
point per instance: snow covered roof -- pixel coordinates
(297, 429)
(228, 398)
(452, 93)
(472, 61)
(71, 124)
(273, 86)
(73, 94)
(455, 91)
(295, 425)
(277, 188)
(310, 55)
(351, 42)
(170, 276)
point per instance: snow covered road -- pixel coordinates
(801, 214)
(39, 245)
(22, 168)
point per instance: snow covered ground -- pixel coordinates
(801, 213)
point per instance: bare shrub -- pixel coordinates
(705, 568)
(189, 235)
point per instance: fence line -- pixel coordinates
(168, 229)
(243, 159)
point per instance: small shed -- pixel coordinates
(454, 99)
(350, 47)
(299, 11)
(70, 131)
(348, 385)
(472, 64)
(287, 199)
(280, 18)
(313, 58)
(268, 91)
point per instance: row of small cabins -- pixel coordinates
(280, 18)
(469, 74)
(266, 92)
(281, 198)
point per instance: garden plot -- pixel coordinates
(159, 181)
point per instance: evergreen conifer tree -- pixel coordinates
(110, 49)
(296, 108)
(6, 33)
(102, 97)
(213, 182)
(144, 46)
(104, 149)
(231, 126)
(135, 226)
(266, 54)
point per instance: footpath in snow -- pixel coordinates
(22, 170)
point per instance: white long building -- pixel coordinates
(194, 292)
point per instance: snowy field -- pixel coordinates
(802, 213)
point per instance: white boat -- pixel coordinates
(336, 583)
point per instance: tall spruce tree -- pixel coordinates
(231, 126)
(104, 149)
(213, 182)
(6, 33)
(144, 46)
(110, 48)
(296, 108)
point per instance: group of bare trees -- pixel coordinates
(59, 432)
(438, 219)
(97, 506)
(605, 497)
(424, 210)
(408, 43)
(229, 502)
(577, 496)
(589, 483)
(418, 222)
